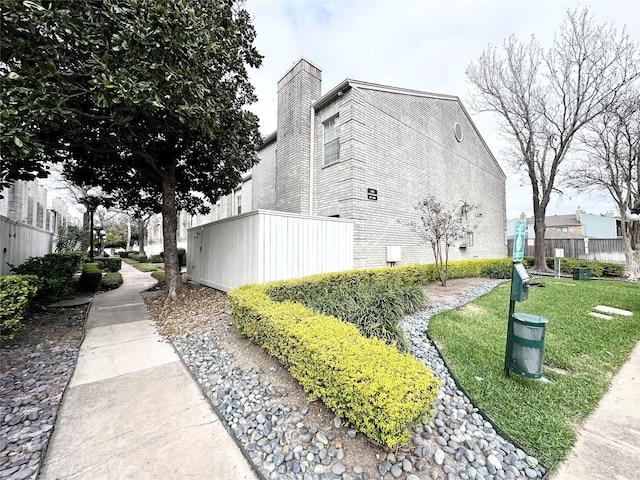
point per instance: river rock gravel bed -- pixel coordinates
(286, 436)
(35, 368)
(286, 443)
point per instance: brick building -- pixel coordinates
(370, 153)
(27, 226)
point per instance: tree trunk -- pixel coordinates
(631, 249)
(127, 247)
(169, 237)
(141, 234)
(539, 226)
(633, 264)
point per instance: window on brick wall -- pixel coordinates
(39, 215)
(466, 240)
(332, 140)
(30, 211)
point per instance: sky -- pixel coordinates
(418, 44)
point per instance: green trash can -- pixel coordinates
(582, 273)
(527, 348)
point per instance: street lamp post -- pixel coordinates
(90, 203)
(100, 233)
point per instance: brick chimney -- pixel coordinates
(579, 213)
(297, 90)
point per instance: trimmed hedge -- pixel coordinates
(374, 388)
(54, 272)
(138, 257)
(90, 277)
(598, 269)
(155, 259)
(308, 288)
(111, 281)
(15, 293)
(111, 264)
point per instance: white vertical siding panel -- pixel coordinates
(260, 246)
(293, 250)
(263, 246)
(21, 242)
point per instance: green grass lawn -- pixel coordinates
(144, 267)
(582, 354)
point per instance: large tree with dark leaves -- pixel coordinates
(145, 99)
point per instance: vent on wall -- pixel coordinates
(457, 131)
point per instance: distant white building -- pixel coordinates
(571, 226)
(27, 226)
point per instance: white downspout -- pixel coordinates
(311, 151)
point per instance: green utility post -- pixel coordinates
(519, 286)
(525, 332)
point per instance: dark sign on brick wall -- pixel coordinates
(372, 194)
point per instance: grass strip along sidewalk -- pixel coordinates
(582, 354)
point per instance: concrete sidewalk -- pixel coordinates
(608, 444)
(131, 409)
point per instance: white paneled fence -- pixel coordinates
(19, 242)
(263, 246)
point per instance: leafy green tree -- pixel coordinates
(72, 238)
(113, 240)
(145, 99)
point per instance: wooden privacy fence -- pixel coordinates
(263, 246)
(599, 249)
(19, 242)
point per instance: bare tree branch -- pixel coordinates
(543, 99)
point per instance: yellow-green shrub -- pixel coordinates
(418, 274)
(375, 389)
(15, 293)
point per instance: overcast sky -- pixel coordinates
(417, 44)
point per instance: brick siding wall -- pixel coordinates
(297, 91)
(405, 160)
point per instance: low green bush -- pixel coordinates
(160, 276)
(308, 288)
(90, 277)
(141, 258)
(182, 257)
(111, 281)
(370, 385)
(613, 269)
(374, 308)
(111, 264)
(54, 272)
(155, 259)
(123, 254)
(15, 293)
(598, 269)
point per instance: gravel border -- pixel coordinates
(284, 446)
